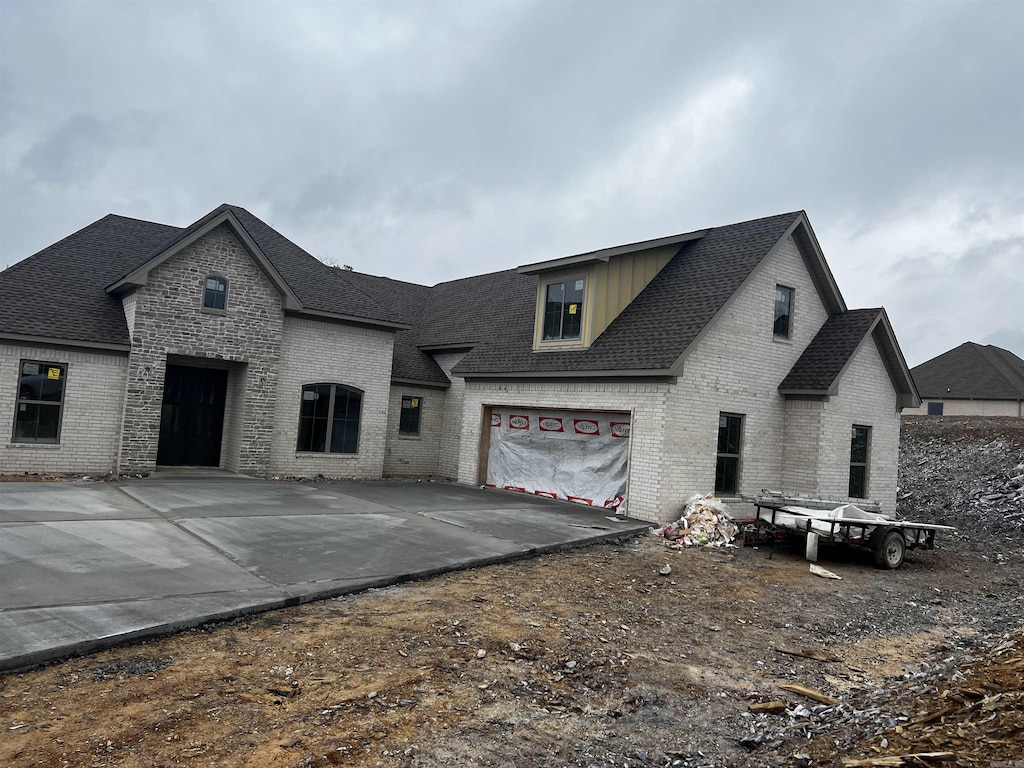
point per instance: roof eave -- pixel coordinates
(660, 373)
(400, 380)
(605, 254)
(55, 341)
(391, 325)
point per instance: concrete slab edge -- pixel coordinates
(27, 661)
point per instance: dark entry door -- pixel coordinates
(192, 418)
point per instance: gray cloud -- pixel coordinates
(434, 140)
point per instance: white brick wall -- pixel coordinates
(414, 455)
(865, 398)
(645, 401)
(91, 417)
(451, 429)
(737, 368)
(318, 352)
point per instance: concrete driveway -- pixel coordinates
(89, 565)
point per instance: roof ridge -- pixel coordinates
(1002, 368)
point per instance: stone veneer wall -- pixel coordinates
(169, 320)
(90, 419)
(315, 352)
(414, 454)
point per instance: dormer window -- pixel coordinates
(563, 310)
(215, 294)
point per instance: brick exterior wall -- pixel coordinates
(736, 368)
(90, 418)
(645, 401)
(866, 398)
(406, 455)
(451, 429)
(316, 352)
(168, 319)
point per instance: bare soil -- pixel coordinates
(587, 657)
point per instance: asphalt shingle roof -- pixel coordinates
(650, 334)
(60, 291)
(972, 371)
(831, 348)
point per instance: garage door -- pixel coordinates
(580, 456)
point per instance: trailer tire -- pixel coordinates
(890, 548)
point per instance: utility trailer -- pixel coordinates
(830, 520)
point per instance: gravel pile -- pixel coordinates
(966, 472)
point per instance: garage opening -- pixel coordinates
(580, 456)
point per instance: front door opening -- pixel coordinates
(192, 417)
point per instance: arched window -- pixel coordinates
(215, 293)
(329, 419)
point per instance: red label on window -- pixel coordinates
(547, 494)
(550, 424)
(518, 422)
(495, 419)
(620, 429)
(586, 427)
(515, 488)
(580, 500)
(614, 503)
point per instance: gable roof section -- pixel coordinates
(67, 293)
(972, 371)
(649, 335)
(822, 364)
(58, 292)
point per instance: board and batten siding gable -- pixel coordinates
(735, 367)
(611, 287)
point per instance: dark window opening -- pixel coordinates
(40, 399)
(783, 311)
(215, 294)
(727, 468)
(935, 409)
(409, 420)
(860, 440)
(329, 419)
(563, 310)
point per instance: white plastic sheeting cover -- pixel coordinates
(572, 455)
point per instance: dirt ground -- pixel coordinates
(587, 657)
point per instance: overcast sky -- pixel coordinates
(432, 140)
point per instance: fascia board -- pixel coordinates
(606, 253)
(419, 383)
(638, 373)
(354, 319)
(831, 288)
(54, 341)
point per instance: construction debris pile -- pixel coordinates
(967, 472)
(705, 522)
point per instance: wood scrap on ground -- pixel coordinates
(810, 694)
(809, 653)
(915, 758)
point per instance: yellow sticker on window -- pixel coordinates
(414, 403)
(572, 309)
(53, 373)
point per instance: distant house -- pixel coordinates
(631, 377)
(971, 380)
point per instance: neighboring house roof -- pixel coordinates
(972, 372)
(62, 291)
(821, 365)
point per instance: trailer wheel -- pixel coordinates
(890, 548)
